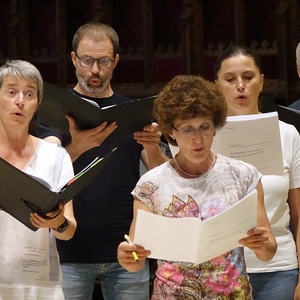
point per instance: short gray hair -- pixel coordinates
(24, 69)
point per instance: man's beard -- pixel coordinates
(94, 90)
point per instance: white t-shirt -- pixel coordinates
(276, 190)
(29, 261)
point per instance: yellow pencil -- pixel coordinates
(128, 240)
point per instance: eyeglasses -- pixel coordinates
(87, 62)
(188, 131)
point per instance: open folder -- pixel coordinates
(22, 194)
(130, 116)
(192, 240)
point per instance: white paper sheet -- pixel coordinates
(254, 139)
(190, 239)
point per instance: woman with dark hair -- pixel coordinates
(239, 76)
(198, 183)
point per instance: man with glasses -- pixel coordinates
(104, 210)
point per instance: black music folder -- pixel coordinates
(285, 114)
(22, 194)
(130, 116)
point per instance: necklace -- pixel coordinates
(193, 175)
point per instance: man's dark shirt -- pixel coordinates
(104, 210)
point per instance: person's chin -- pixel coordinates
(95, 89)
(95, 86)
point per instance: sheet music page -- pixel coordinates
(221, 233)
(173, 239)
(190, 239)
(254, 139)
(27, 261)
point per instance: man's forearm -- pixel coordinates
(153, 158)
(73, 151)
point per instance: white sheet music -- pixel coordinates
(190, 239)
(254, 139)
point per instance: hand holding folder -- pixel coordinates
(22, 194)
(130, 116)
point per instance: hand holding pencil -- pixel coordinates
(130, 256)
(128, 240)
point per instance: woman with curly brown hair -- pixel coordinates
(200, 183)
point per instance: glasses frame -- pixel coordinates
(94, 60)
(199, 130)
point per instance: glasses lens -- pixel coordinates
(188, 131)
(206, 129)
(104, 63)
(86, 61)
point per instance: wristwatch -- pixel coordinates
(62, 227)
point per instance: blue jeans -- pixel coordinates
(274, 285)
(116, 282)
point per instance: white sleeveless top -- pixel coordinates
(29, 261)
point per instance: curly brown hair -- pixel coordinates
(187, 97)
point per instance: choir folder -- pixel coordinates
(130, 116)
(22, 194)
(285, 114)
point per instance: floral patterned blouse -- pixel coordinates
(166, 193)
